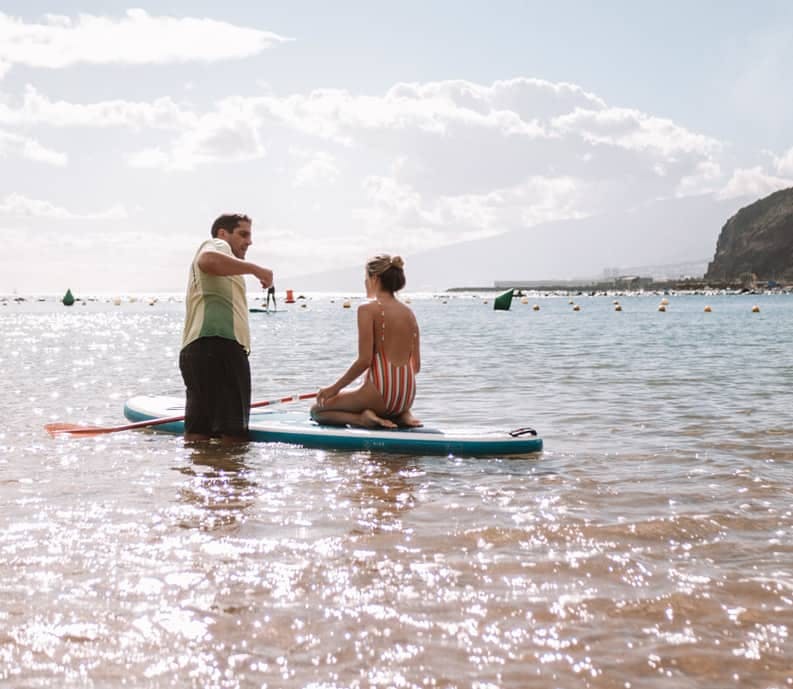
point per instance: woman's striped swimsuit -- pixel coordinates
(397, 384)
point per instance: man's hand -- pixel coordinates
(263, 275)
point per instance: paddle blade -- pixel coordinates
(73, 429)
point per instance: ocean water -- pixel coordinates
(649, 545)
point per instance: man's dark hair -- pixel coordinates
(228, 222)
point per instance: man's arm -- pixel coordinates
(217, 263)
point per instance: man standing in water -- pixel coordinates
(271, 293)
(216, 340)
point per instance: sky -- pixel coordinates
(346, 129)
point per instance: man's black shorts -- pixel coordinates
(217, 376)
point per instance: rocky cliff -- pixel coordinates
(757, 239)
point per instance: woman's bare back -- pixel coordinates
(395, 330)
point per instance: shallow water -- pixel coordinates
(649, 545)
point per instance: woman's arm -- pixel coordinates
(416, 348)
(362, 363)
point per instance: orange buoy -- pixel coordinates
(290, 298)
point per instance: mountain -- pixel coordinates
(757, 239)
(674, 231)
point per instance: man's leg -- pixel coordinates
(192, 367)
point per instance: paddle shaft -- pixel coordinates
(55, 428)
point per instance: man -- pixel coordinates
(216, 340)
(271, 293)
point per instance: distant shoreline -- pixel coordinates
(692, 286)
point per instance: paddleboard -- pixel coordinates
(285, 424)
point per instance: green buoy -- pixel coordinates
(503, 301)
(68, 298)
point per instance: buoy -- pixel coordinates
(536, 307)
(571, 302)
(618, 308)
(708, 309)
(503, 301)
(661, 307)
(68, 298)
(290, 298)
(346, 304)
(524, 300)
(755, 309)
(576, 308)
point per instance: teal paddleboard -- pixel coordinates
(285, 424)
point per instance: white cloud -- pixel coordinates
(222, 136)
(17, 205)
(319, 168)
(135, 38)
(400, 211)
(18, 146)
(635, 130)
(753, 182)
(455, 137)
(463, 138)
(784, 163)
(704, 179)
(36, 109)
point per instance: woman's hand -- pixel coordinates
(325, 394)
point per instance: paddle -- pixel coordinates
(73, 429)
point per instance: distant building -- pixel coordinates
(632, 282)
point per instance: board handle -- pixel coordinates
(522, 431)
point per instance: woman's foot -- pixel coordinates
(371, 420)
(407, 419)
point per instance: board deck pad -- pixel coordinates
(289, 424)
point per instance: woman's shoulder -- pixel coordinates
(368, 306)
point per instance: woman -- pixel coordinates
(388, 351)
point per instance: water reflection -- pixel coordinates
(383, 493)
(648, 545)
(220, 488)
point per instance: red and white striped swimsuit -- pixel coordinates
(396, 384)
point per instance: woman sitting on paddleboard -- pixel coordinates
(388, 351)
